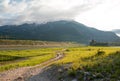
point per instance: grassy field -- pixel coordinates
(18, 58)
(20, 53)
(86, 63)
(93, 63)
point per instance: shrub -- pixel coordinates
(100, 52)
(72, 73)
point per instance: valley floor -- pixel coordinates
(71, 64)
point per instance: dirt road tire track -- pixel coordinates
(22, 74)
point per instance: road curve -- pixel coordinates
(22, 74)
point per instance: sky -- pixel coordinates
(101, 14)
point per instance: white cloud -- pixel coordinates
(104, 17)
(22, 11)
(102, 14)
(8, 7)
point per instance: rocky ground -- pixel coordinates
(53, 73)
(64, 73)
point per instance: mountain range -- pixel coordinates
(57, 31)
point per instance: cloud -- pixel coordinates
(29, 11)
(105, 16)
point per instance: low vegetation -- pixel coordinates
(81, 63)
(19, 58)
(92, 63)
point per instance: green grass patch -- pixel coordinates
(93, 62)
(19, 58)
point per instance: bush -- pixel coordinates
(100, 52)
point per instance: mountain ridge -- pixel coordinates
(58, 31)
(117, 31)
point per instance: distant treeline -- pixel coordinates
(4, 37)
(96, 43)
(114, 44)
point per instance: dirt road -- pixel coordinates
(22, 74)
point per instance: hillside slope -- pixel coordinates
(117, 31)
(57, 31)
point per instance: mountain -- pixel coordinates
(117, 31)
(57, 31)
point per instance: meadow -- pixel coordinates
(21, 53)
(10, 59)
(92, 63)
(86, 63)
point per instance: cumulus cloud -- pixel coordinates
(29, 11)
